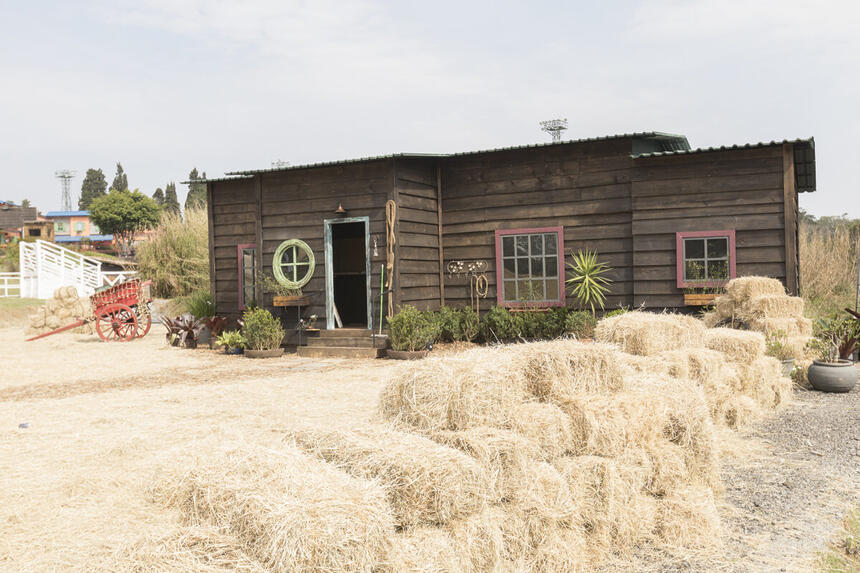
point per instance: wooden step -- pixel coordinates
(338, 352)
(357, 342)
(346, 332)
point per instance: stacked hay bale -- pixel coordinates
(762, 304)
(64, 308)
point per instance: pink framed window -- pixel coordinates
(247, 254)
(705, 258)
(530, 267)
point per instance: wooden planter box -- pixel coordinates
(300, 300)
(700, 299)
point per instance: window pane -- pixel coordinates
(522, 267)
(302, 256)
(551, 243)
(508, 246)
(289, 256)
(510, 290)
(248, 296)
(522, 245)
(510, 266)
(247, 258)
(718, 270)
(552, 290)
(530, 290)
(537, 267)
(694, 248)
(694, 270)
(537, 245)
(551, 267)
(718, 248)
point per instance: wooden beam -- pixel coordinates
(210, 215)
(439, 227)
(790, 219)
(258, 231)
(395, 195)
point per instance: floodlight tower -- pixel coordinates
(280, 164)
(65, 176)
(554, 127)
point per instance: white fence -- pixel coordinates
(111, 278)
(10, 285)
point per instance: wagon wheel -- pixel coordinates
(116, 323)
(144, 319)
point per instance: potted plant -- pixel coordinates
(263, 334)
(411, 333)
(183, 330)
(200, 305)
(307, 324)
(232, 341)
(282, 295)
(834, 342)
(587, 280)
(777, 348)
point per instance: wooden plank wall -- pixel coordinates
(233, 211)
(584, 187)
(296, 203)
(733, 189)
(417, 233)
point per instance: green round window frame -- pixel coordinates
(278, 263)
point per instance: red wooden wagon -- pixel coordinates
(121, 312)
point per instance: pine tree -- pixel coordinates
(94, 185)
(25, 203)
(196, 197)
(120, 180)
(158, 196)
(171, 202)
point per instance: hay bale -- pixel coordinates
(710, 318)
(556, 548)
(560, 369)
(688, 519)
(199, 548)
(648, 334)
(425, 482)
(739, 411)
(745, 288)
(52, 306)
(788, 326)
(289, 511)
(425, 550)
(651, 365)
(473, 388)
(504, 455)
(52, 322)
(479, 539)
(772, 306)
(547, 426)
(800, 375)
(741, 346)
(545, 495)
(724, 307)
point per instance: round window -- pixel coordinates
(293, 263)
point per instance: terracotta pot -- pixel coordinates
(833, 376)
(407, 354)
(274, 353)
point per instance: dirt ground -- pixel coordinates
(86, 427)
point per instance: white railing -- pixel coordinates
(111, 278)
(46, 267)
(10, 285)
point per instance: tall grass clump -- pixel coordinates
(176, 258)
(828, 267)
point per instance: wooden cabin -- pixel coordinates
(665, 217)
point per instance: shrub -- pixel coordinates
(502, 325)
(448, 321)
(580, 323)
(411, 330)
(176, 257)
(542, 325)
(232, 339)
(470, 323)
(776, 347)
(200, 304)
(587, 280)
(261, 330)
(828, 264)
(616, 312)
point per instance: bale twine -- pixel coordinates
(426, 483)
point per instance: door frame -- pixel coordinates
(329, 267)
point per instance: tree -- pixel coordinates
(94, 185)
(171, 202)
(124, 213)
(158, 196)
(120, 180)
(196, 198)
(25, 203)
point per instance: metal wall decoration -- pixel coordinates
(479, 285)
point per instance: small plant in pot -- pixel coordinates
(232, 341)
(263, 334)
(777, 348)
(412, 334)
(183, 330)
(834, 343)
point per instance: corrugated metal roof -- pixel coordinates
(67, 214)
(216, 179)
(810, 141)
(665, 140)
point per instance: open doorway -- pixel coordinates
(347, 283)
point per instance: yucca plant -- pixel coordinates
(587, 281)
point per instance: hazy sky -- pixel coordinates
(167, 85)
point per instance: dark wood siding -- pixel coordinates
(417, 267)
(584, 187)
(233, 223)
(739, 189)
